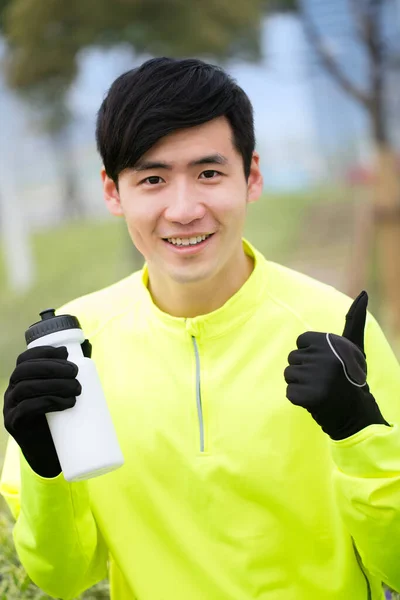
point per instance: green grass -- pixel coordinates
(14, 582)
(274, 223)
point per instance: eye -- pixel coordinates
(209, 174)
(152, 180)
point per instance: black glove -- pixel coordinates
(43, 381)
(328, 376)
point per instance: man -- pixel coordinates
(230, 490)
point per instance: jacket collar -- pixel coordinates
(236, 310)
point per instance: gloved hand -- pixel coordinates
(327, 375)
(43, 381)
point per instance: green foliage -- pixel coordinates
(45, 37)
(282, 5)
(209, 27)
(3, 5)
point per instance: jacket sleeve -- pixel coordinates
(55, 535)
(367, 468)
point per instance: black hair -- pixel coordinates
(164, 95)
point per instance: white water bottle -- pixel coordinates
(84, 435)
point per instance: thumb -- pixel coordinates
(355, 321)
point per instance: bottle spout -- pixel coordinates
(49, 313)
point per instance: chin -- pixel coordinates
(185, 276)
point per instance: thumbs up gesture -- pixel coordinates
(327, 375)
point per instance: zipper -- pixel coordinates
(198, 394)
(360, 564)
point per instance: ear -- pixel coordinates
(111, 195)
(255, 181)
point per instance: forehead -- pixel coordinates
(215, 136)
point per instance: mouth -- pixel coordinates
(185, 242)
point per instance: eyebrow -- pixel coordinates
(211, 159)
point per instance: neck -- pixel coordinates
(200, 298)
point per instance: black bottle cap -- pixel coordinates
(50, 323)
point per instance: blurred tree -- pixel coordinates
(3, 4)
(17, 252)
(381, 52)
(48, 99)
(45, 37)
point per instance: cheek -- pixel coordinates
(140, 217)
(231, 206)
(141, 222)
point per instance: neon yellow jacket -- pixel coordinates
(228, 492)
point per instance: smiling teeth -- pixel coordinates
(188, 241)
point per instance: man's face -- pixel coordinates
(185, 203)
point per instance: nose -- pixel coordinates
(183, 207)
